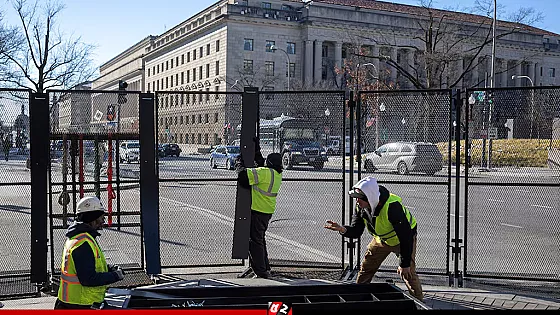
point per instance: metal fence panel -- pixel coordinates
(411, 133)
(197, 190)
(15, 201)
(89, 130)
(302, 127)
(513, 193)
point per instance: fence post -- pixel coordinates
(149, 184)
(38, 155)
(350, 243)
(249, 120)
(457, 102)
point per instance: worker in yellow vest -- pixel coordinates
(84, 272)
(393, 228)
(264, 182)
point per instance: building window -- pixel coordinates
(157, 68)
(269, 68)
(166, 82)
(215, 117)
(201, 52)
(291, 69)
(344, 52)
(192, 122)
(194, 74)
(206, 119)
(171, 63)
(176, 78)
(183, 59)
(188, 76)
(194, 55)
(177, 61)
(183, 77)
(199, 139)
(187, 119)
(148, 72)
(325, 51)
(157, 89)
(205, 138)
(269, 44)
(188, 102)
(291, 48)
(200, 73)
(217, 67)
(171, 79)
(248, 44)
(324, 73)
(181, 120)
(248, 66)
(175, 120)
(268, 96)
(200, 117)
(148, 87)
(167, 65)
(266, 5)
(217, 45)
(207, 49)
(200, 98)
(207, 70)
(189, 56)
(552, 72)
(217, 89)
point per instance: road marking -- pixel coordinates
(495, 200)
(539, 206)
(302, 249)
(514, 226)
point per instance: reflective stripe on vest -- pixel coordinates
(262, 178)
(383, 230)
(71, 291)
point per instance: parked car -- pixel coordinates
(224, 155)
(171, 149)
(160, 150)
(129, 151)
(405, 157)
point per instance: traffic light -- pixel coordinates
(122, 87)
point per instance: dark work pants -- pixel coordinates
(258, 255)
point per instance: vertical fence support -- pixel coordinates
(242, 224)
(350, 242)
(149, 184)
(39, 151)
(456, 103)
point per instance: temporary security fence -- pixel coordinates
(15, 202)
(483, 210)
(512, 183)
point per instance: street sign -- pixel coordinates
(493, 133)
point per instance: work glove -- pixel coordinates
(120, 274)
(113, 267)
(239, 164)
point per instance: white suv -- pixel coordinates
(129, 151)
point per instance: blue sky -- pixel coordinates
(115, 25)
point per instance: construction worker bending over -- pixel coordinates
(84, 271)
(393, 228)
(265, 183)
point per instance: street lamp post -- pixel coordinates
(513, 77)
(275, 48)
(327, 114)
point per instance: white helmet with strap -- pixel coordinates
(89, 204)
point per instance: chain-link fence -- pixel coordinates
(513, 183)
(406, 138)
(196, 155)
(94, 137)
(15, 202)
(307, 129)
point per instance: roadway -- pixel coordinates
(506, 224)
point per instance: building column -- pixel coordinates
(489, 72)
(518, 71)
(460, 66)
(308, 67)
(393, 71)
(318, 60)
(375, 61)
(338, 59)
(474, 74)
(504, 75)
(537, 74)
(409, 66)
(531, 71)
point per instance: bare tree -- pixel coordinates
(10, 41)
(46, 58)
(254, 77)
(444, 41)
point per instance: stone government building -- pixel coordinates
(217, 50)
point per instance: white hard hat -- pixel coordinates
(89, 204)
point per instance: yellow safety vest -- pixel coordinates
(383, 230)
(266, 183)
(71, 290)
